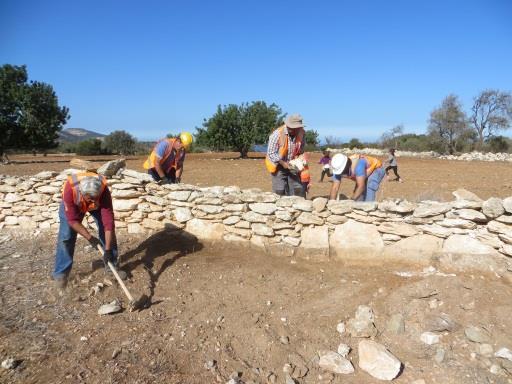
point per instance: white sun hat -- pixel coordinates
(338, 163)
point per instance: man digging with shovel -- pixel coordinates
(82, 193)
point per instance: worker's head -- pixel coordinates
(392, 151)
(327, 153)
(186, 139)
(294, 123)
(340, 164)
(90, 187)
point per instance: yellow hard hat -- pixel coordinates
(186, 139)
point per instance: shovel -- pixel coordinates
(133, 304)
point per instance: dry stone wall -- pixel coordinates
(466, 233)
(471, 156)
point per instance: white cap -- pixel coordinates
(90, 185)
(338, 163)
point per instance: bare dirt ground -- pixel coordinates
(424, 178)
(241, 310)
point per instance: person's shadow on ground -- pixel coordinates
(170, 240)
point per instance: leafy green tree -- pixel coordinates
(498, 144)
(311, 137)
(42, 118)
(239, 127)
(12, 85)
(89, 147)
(491, 112)
(121, 143)
(354, 143)
(30, 116)
(448, 124)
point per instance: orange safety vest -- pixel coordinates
(283, 147)
(152, 158)
(372, 164)
(78, 199)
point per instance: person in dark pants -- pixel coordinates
(326, 162)
(285, 144)
(393, 165)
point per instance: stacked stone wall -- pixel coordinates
(466, 233)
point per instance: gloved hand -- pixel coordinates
(108, 256)
(163, 180)
(293, 170)
(93, 241)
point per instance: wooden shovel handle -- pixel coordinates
(116, 275)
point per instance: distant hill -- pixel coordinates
(74, 135)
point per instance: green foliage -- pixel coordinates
(89, 147)
(311, 137)
(120, 143)
(30, 116)
(499, 144)
(239, 127)
(354, 143)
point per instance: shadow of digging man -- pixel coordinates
(168, 241)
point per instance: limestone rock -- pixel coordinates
(477, 335)
(107, 309)
(436, 230)
(334, 362)
(45, 175)
(254, 217)
(431, 209)
(463, 252)
(397, 207)
(507, 204)
(400, 229)
(263, 208)
(356, 241)
(500, 228)
(125, 204)
(493, 208)
(315, 243)
(182, 215)
(396, 324)
(262, 229)
(283, 215)
(463, 194)
(505, 219)
(179, 195)
(466, 204)
(110, 168)
(337, 219)
(457, 223)
(362, 324)
(309, 218)
(377, 361)
(340, 207)
(470, 214)
(235, 207)
(49, 190)
(142, 177)
(125, 194)
(205, 230)
(231, 220)
(430, 338)
(319, 204)
(303, 205)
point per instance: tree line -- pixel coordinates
(31, 119)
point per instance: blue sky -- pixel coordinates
(351, 68)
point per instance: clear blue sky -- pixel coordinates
(351, 68)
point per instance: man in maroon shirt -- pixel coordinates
(82, 193)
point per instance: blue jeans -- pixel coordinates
(372, 184)
(66, 243)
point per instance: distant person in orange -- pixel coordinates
(165, 163)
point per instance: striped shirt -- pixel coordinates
(273, 146)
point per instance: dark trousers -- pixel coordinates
(285, 183)
(395, 170)
(171, 175)
(325, 171)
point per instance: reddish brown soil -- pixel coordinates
(424, 178)
(231, 305)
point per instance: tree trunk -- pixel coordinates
(243, 153)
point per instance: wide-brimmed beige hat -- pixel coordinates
(294, 121)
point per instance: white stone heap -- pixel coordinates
(467, 233)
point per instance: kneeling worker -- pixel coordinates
(165, 163)
(366, 171)
(82, 193)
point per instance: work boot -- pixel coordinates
(61, 282)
